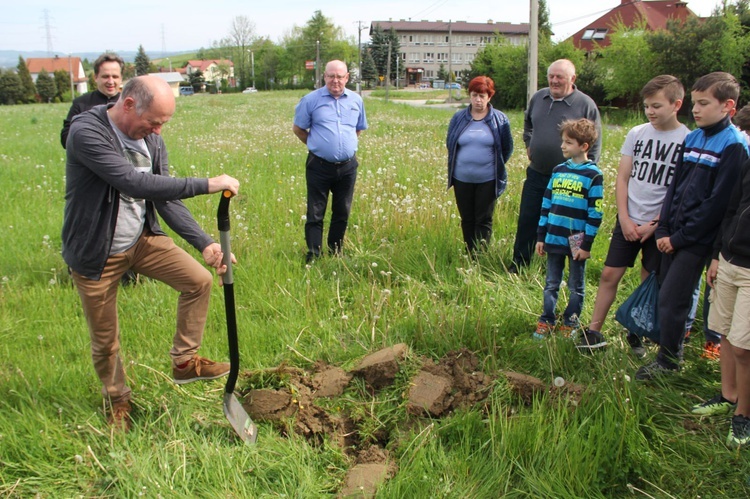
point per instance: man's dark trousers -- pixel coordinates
(528, 216)
(678, 275)
(338, 179)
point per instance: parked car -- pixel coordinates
(456, 86)
(186, 91)
(249, 90)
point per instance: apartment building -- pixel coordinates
(425, 45)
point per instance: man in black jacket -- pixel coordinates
(108, 75)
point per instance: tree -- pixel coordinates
(242, 33)
(62, 83)
(27, 83)
(442, 73)
(197, 79)
(696, 47)
(12, 90)
(627, 64)
(142, 62)
(379, 41)
(45, 86)
(506, 64)
(369, 71)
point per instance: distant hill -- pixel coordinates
(9, 58)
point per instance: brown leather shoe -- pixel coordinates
(119, 417)
(199, 368)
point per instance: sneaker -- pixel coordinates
(652, 371)
(567, 331)
(711, 351)
(713, 406)
(591, 340)
(739, 434)
(119, 417)
(199, 368)
(637, 348)
(543, 330)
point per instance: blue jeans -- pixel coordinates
(324, 178)
(576, 285)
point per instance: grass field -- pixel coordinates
(404, 278)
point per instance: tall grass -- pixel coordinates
(404, 278)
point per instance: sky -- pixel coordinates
(179, 26)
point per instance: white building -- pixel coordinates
(425, 45)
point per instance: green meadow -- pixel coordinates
(404, 278)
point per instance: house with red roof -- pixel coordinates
(653, 13)
(71, 65)
(214, 70)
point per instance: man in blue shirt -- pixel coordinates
(329, 121)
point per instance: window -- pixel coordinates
(457, 58)
(429, 73)
(469, 58)
(594, 34)
(413, 57)
(442, 57)
(429, 57)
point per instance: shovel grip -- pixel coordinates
(222, 215)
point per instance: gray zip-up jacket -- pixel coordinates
(97, 172)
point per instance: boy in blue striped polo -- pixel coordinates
(570, 219)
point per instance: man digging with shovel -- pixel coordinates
(117, 180)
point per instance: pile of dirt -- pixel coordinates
(452, 382)
(437, 389)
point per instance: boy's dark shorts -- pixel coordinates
(623, 253)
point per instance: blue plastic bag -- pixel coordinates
(639, 314)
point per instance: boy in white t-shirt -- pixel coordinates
(647, 164)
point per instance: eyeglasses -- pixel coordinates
(337, 77)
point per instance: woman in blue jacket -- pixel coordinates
(479, 145)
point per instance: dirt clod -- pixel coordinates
(379, 369)
(329, 381)
(525, 386)
(429, 393)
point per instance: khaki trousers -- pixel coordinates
(159, 258)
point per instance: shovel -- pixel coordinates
(233, 409)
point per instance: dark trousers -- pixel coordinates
(679, 275)
(528, 216)
(324, 178)
(476, 205)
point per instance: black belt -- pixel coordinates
(334, 163)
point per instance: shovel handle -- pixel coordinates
(222, 216)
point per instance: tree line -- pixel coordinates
(614, 75)
(611, 75)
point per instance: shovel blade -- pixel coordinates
(239, 419)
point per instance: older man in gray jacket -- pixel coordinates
(548, 108)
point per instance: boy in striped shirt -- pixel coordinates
(570, 218)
